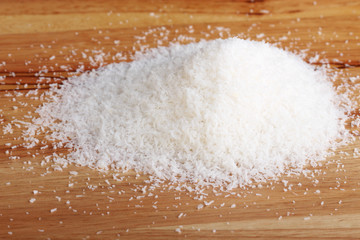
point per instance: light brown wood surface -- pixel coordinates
(326, 206)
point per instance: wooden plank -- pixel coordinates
(56, 37)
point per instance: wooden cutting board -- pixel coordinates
(63, 35)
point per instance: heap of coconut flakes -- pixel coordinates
(221, 113)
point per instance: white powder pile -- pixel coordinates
(223, 112)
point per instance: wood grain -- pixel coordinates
(89, 205)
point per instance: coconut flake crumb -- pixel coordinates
(73, 173)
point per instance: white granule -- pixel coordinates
(73, 173)
(222, 112)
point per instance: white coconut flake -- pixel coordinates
(223, 112)
(73, 173)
